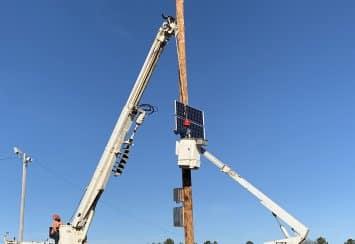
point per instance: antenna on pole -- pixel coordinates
(25, 160)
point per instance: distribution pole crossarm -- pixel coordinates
(297, 227)
(76, 231)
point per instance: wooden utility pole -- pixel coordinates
(184, 97)
(186, 173)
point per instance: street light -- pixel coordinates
(25, 160)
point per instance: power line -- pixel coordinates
(54, 172)
(64, 180)
(109, 203)
(7, 158)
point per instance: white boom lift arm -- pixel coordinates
(76, 231)
(297, 227)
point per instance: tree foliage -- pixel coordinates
(169, 241)
(249, 242)
(350, 241)
(321, 240)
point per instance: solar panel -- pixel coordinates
(196, 117)
(188, 112)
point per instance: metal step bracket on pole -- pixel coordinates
(178, 212)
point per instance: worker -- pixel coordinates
(54, 229)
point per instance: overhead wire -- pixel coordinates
(110, 204)
(7, 158)
(63, 179)
(43, 166)
(54, 173)
(135, 219)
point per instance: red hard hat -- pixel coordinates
(56, 216)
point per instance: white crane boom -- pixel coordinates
(76, 231)
(297, 227)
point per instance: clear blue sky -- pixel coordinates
(276, 80)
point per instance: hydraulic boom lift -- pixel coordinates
(297, 227)
(118, 144)
(190, 126)
(116, 151)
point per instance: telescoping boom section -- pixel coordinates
(76, 231)
(300, 231)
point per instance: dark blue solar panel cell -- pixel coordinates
(179, 109)
(196, 128)
(194, 115)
